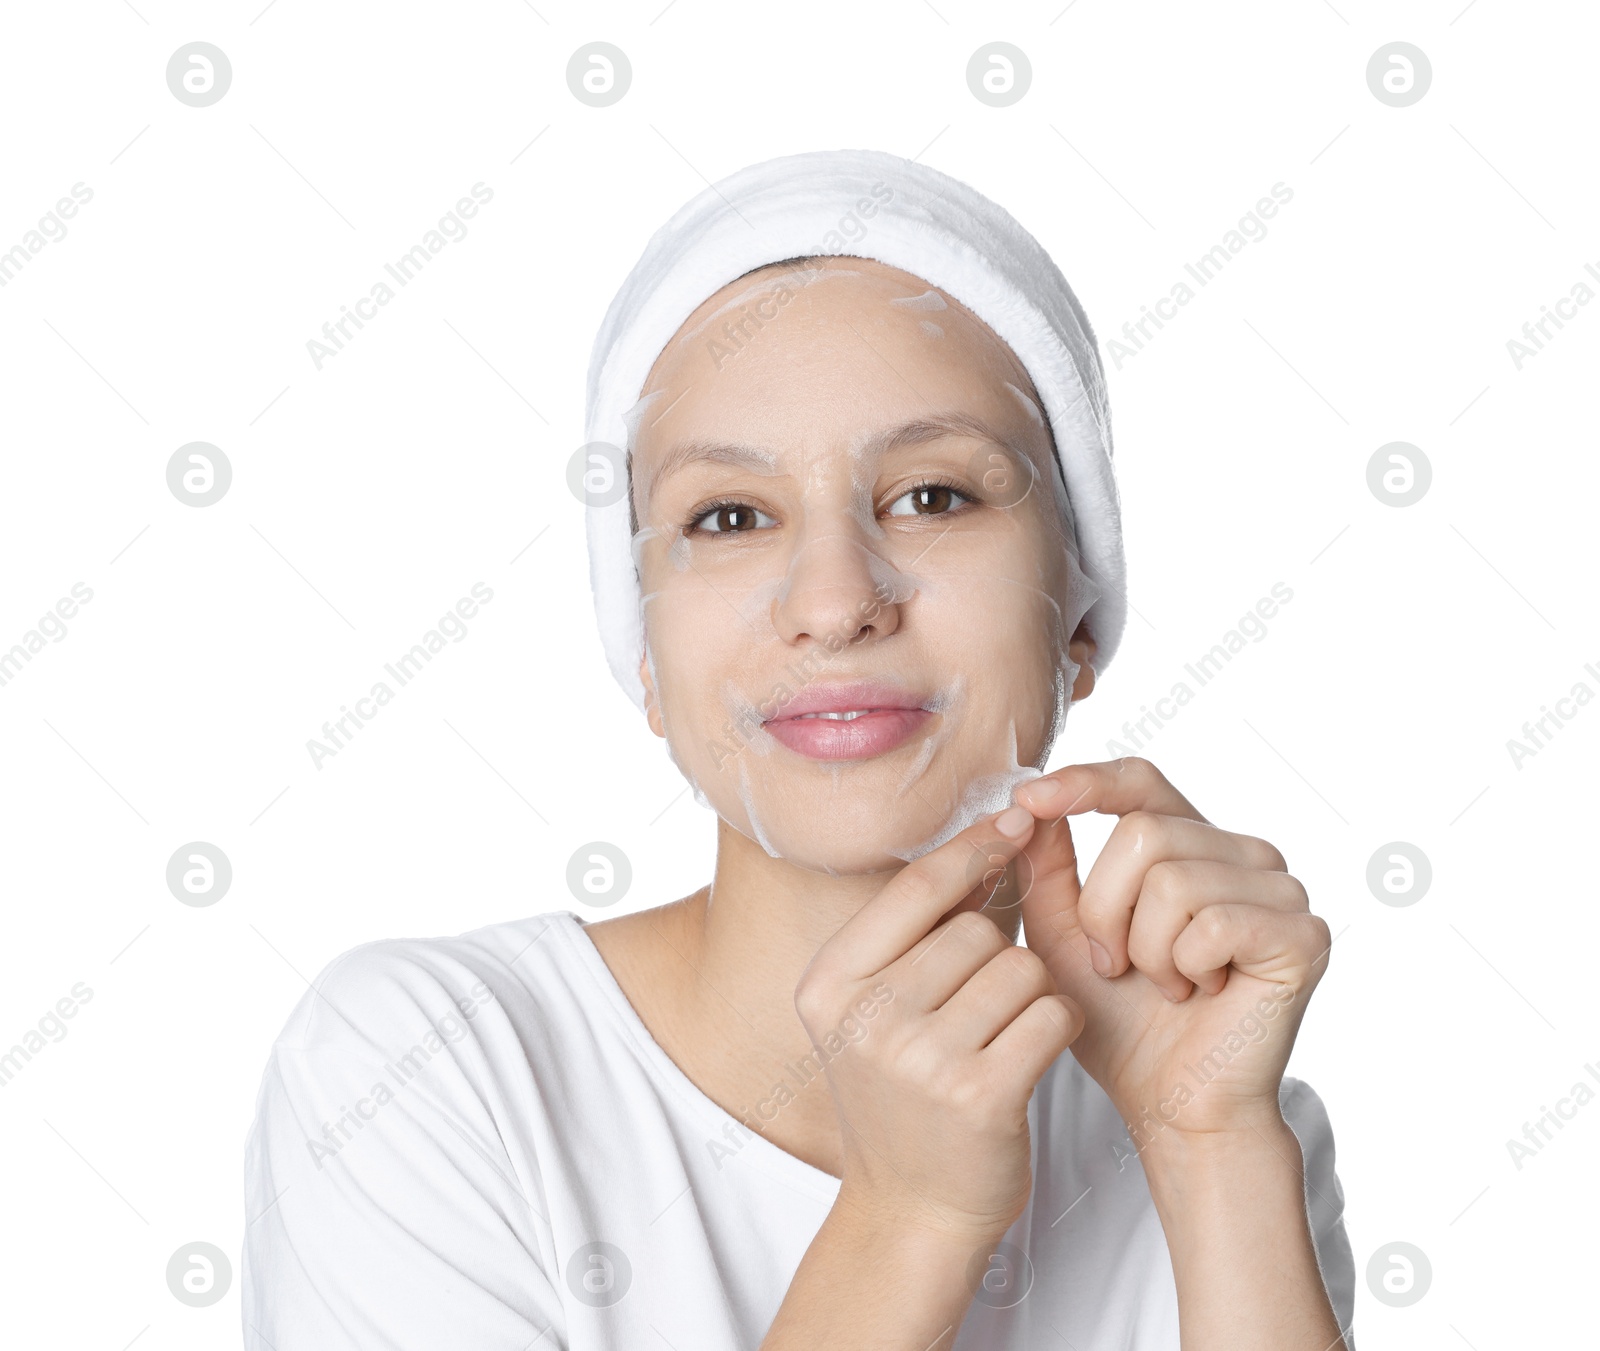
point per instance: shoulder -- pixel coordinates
(446, 1029)
(467, 1007)
(377, 984)
(391, 983)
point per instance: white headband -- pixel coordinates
(862, 204)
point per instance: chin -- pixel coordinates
(844, 833)
(825, 857)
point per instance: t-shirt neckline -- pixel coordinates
(774, 1159)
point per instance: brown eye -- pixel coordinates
(731, 518)
(926, 499)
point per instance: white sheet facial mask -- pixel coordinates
(802, 555)
(800, 584)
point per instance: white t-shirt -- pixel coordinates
(448, 1127)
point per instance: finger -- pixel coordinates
(1139, 841)
(926, 977)
(1288, 949)
(1031, 1042)
(996, 993)
(888, 925)
(1175, 891)
(1113, 786)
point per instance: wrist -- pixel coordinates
(1232, 1206)
(1212, 1169)
(877, 1220)
(1267, 1133)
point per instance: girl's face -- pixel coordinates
(861, 600)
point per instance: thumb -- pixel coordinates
(1048, 878)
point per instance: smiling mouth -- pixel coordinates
(851, 719)
(848, 733)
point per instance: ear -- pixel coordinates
(652, 705)
(1081, 649)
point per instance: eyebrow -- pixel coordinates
(708, 452)
(917, 431)
(931, 428)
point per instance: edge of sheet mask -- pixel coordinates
(981, 796)
(992, 793)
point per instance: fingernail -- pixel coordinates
(1042, 790)
(1100, 957)
(1013, 821)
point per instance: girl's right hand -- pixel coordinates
(933, 1099)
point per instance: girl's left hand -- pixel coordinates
(1210, 951)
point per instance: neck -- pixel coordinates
(764, 914)
(745, 942)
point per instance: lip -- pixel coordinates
(896, 715)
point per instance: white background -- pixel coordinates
(430, 454)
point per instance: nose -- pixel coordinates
(837, 591)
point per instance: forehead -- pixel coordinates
(804, 359)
